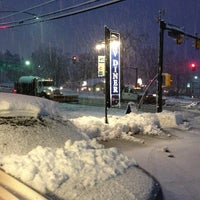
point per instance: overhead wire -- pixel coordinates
(85, 10)
(28, 9)
(30, 21)
(37, 17)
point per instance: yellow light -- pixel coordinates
(197, 43)
(97, 89)
(100, 46)
(179, 39)
(167, 80)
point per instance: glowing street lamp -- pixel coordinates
(100, 46)
(27, 63)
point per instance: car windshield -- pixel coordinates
(48, 83)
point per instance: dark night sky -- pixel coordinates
(78, 33)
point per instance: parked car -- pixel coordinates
(135, 94)
(132, 94)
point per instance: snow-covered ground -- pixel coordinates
(54, 147)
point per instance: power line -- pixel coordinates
(28, 9)
(69, 8)
(33, 21)
(37, 17)
(85, 10)
(15, 11)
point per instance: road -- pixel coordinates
(174, 161)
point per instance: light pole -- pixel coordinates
(160, 64)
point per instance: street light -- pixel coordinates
(27, 63)
(100, 46)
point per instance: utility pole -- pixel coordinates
(178, 34)
(162, 26)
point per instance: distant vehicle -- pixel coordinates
(41, 87)
(132, 94)
(6, 87)
(36, 86)
(135, 94)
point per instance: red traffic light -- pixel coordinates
(193, 66)
(74, 59)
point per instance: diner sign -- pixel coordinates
(115, 69)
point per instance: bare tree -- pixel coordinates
(50, 62)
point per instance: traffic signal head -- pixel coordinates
(179, 39)
(74, 59)
(167, 79)
(193, 66)
(177, 35)
(197, 43)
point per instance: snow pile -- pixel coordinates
(83, 163)
(193, 105)
(145, 123)
(128, 125)
(170, 119)
(24, 105)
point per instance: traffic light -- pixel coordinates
(197, 43)
(167, 80)
(74, 59)
(177, 35)
(179, 39)
(193, 66)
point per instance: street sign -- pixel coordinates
(101, 66)
(115, 69)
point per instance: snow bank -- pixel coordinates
(83, 163)
(24, 105)
(170, 119)
(128, 125)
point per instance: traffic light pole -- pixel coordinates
(160, 65)
(175, 32)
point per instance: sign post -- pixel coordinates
(112, 70)
(107, 72)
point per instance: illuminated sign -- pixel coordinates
(101, 66)
(115, 69)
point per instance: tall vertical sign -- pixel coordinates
(114, 69)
